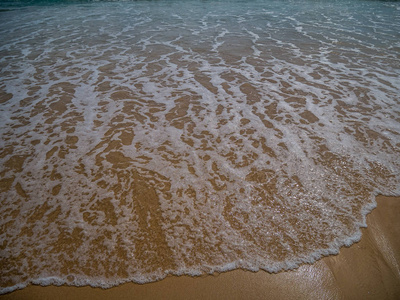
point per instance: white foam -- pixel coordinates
(269, 121)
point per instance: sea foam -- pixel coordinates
(141, 139)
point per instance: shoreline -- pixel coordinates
(368, 269)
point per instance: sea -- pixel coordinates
(141, 139)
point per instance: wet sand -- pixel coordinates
(369, 269)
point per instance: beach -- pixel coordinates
(368, 269)
(146, 143)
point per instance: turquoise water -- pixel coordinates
(146, 138)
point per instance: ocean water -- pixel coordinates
(147, 138)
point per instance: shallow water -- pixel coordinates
(140, 139)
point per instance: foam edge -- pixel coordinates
(277, 267)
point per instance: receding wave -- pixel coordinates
(140, 139)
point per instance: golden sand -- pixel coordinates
(366, 270)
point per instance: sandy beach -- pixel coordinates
(144, 138)
(368, 269)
